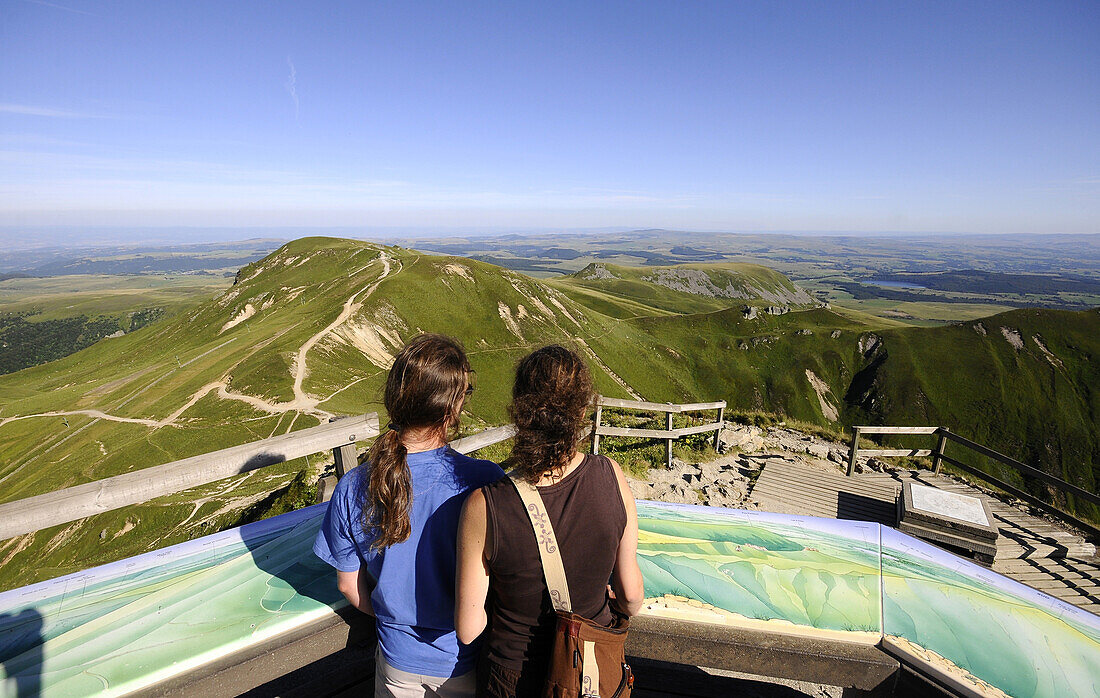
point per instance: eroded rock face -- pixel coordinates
(1013, 337)
(696, 282)
(596, 271)
(868, 343)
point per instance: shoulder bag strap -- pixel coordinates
(552, 568)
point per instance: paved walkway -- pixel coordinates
(1030, 549)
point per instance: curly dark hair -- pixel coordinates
(551, 395)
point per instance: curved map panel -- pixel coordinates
(769, 571)
(137, 622)
(984, 632)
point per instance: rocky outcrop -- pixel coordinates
(727, 284)
(723, 483)
(728, 480)
(696, 282)
(595, 271)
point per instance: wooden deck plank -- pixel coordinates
(1026, 566)
(828, 498)
(822, 495)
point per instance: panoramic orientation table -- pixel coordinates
(139, 623)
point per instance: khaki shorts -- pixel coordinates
(390, 682)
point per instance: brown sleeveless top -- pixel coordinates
(587, 513)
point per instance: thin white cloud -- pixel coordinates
(49, 112)
(60, 7)
(292, 85)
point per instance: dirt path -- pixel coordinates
(302, 403)
(90, 413)
(301, 400)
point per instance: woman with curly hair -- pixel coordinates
(592, 513)
(390, 528)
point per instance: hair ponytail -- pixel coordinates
(390, 488)
(424, 390)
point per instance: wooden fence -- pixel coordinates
(668, 433)
(63, 506)
(939, 458)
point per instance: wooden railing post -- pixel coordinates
(852, 452)
(668, 446)
(668, 434)
(346, 458)
(937, 456)
(718, 431)
(596, 429)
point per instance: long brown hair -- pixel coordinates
(552, 391)
(424, 390)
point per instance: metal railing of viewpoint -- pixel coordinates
(939, 458)
(669, 434)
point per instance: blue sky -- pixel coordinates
(949, 117)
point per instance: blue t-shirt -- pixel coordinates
(414, 592)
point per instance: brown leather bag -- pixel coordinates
(586, 659)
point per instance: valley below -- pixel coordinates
(307, 332)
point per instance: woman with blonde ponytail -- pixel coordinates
(390, 527)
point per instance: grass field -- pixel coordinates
(55, 297)
(923, 313)
(308, 332)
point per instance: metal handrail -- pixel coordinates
(938, 458)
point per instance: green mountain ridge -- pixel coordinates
(687, 287)
(307, 332)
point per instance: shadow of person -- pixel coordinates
(334, 652)
(21, 653)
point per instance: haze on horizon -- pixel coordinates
(937, 117)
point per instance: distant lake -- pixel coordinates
(895, 284)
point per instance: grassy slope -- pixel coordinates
(651, 337)
(1019, 401)
(1041, 411)
(1016, 401)
(755, 364)
(622, 296)
(152, 373)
